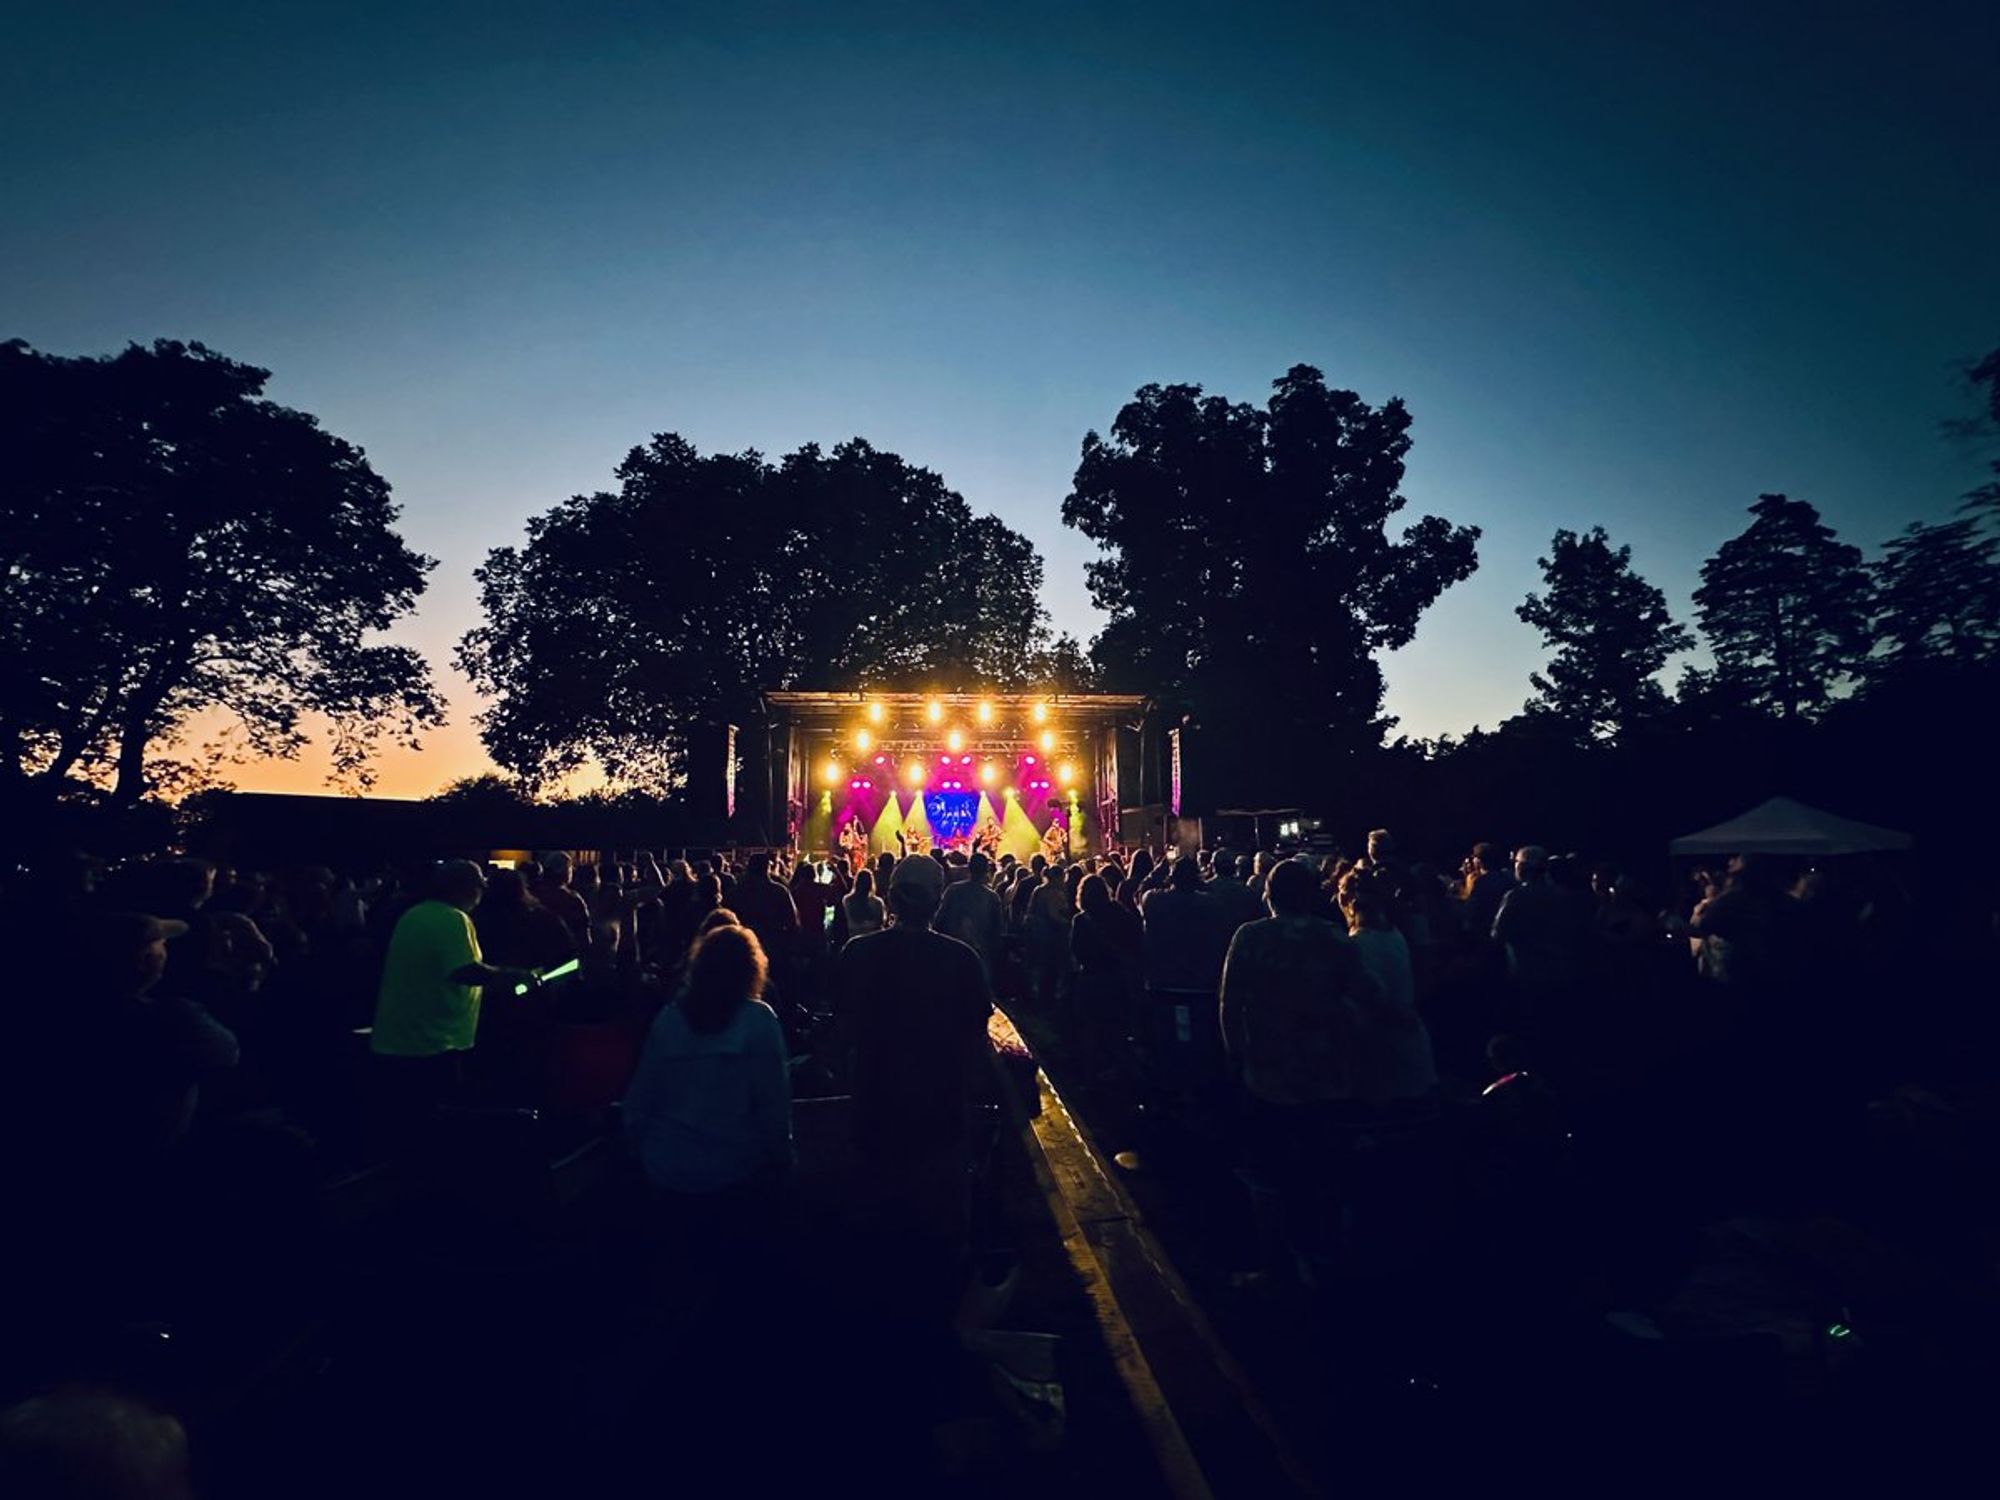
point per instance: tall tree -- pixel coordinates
(1248, 569)
(631, 617)
(1611, 634)
(1785, 609)
(1937, 597)
(173, 543)
(1983, 376)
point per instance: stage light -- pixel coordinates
(1041, 713)
(955, 740)
(1068, 773)
(986, 713)
(965, 760)
(988, 773)
(832, 773)
(881, 760)
(863, 739)
(934, 710)
(1010, 794)
(1048, 740)
(917, 773)
(1030, 759)
(874, 713)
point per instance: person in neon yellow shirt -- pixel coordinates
(427, 1009)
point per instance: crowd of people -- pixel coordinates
(210, 1044)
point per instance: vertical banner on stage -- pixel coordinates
(729, 773)
(1174, 783)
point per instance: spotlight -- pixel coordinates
(1068, 773)
(955, 740)
(917, 773)
(874, 713)
(1048, 740)
(934, 710)
(965, 760)
(1029, 758)
(988, 773)
(863, 739)
(881, 760)
(1041, 713)
(986, 713)
(832, 774)
(1010, 794)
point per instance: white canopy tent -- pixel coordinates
(1782, 826)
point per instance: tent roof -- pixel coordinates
(1782, 826)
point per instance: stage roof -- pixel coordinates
(810, 707)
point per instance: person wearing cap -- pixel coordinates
(155, 1051)
(427, 1007)
(99, 1095)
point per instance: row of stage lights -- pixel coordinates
(953, 773)
(954, 740)
(934, 712)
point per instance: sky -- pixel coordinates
(1628, 265)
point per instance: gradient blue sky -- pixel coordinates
(1628, 266)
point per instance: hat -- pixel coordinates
(134, 929)
(919, 872)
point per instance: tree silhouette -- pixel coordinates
(1937, 597)
(630, 618)
(1785, 609)
(173, 543)
(1248, 569)
(486, 791)
(1983, 376)
(1611, 634)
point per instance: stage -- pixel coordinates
(1012, 773)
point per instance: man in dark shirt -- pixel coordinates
(972, 913)
(1187, 935)
(1238, 900)
(766, 907)
(910, 1023)
(1491, 882)
(912, 1007)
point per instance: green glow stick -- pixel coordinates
(556, 973)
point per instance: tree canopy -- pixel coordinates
(174, 543)
(1611, 634)
(1785, 609)
(1248, 569)
(630, 618)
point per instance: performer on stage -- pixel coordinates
(987, 841)
(854, 842)
(1055, 843)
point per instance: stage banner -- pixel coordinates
(1174, 784)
